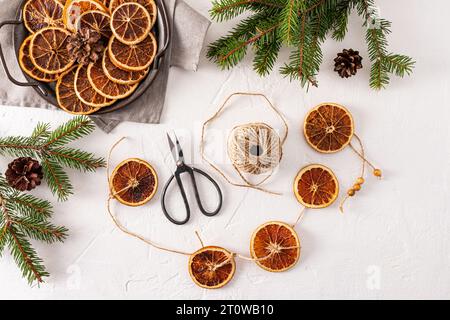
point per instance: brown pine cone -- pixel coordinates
(347, 63)
(86, 46)
(24, 173)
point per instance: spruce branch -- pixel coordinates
(303, 26)
(229, 9)
(24, 217)
(50, 148)
(57, 179)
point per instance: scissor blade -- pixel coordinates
(172, 148)
(179, 151)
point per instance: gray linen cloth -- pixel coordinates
(188, 32)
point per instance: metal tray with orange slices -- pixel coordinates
(160, 31)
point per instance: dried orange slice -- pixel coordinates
(134, 182)
(104, 86)
(73, 9)
(275, 246)
(150, 5)
(316, 186)
(120, 76)
(86, 93)
(66, 96)
(40, 14)
(95, 20)
(29, 68)
(212, 267)
(131, 23)
(48, 50)
(328, 128)
(136, 57)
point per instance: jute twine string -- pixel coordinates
(122, 228)
(362, 155)
(252, 133)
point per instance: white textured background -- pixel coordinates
(393, 241)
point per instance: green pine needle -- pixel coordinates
(302, 26)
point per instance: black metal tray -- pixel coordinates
(47, 90)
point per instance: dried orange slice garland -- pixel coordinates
(40, 14)
(329, 128)
(67, 97)
(274, 246)
(60, 32)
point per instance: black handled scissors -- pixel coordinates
(178, 156)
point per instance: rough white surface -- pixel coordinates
(392, 242)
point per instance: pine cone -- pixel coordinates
(347, 63)
(86, 46)
(24, 174)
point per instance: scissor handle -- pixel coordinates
(177, 176)
(183, 194)
(197, 195)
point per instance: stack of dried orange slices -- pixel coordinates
(97, 51)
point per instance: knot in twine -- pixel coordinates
(254, 148)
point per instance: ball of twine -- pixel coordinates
(254, 148)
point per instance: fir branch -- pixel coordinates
(26, 258)
(18, 147)
(3, 238)
(70, 131)
(302, 25)
(21, 217)
(57, 179)
(228, 9)
(289, 22)
(42, 131)
(48, 147)
(76, 159)
(40, 230)
(266, 54)
(30, 206)
(228, 51)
